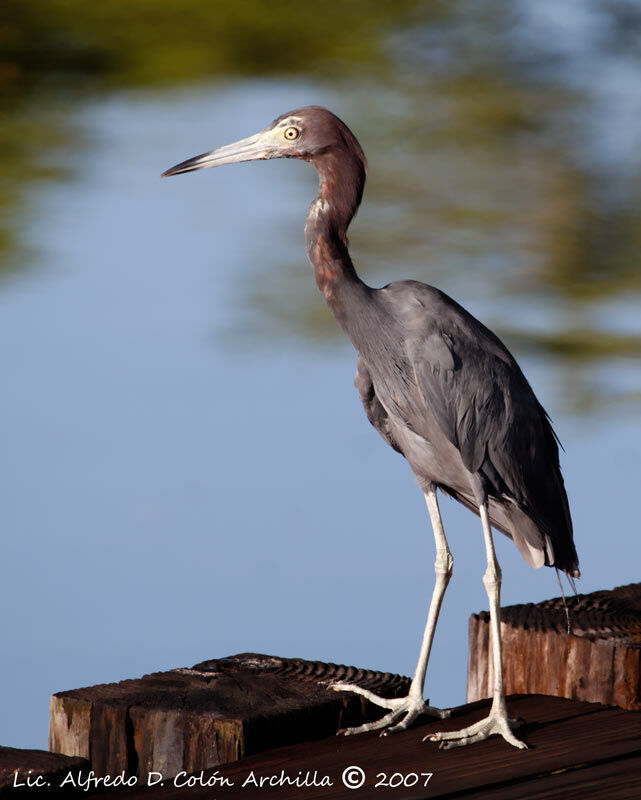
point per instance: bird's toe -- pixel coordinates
(494, 724)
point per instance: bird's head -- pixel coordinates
(308, 133)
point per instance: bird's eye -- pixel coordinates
(291, 133)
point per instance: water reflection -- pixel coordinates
(179, 421)
(487, 219)
(505, 164)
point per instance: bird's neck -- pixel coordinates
(341, 182)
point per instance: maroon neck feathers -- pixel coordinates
(342, 177)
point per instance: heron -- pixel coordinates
(441, 389)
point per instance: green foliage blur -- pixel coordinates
(52, 51)
(158, 42)
(475, 165)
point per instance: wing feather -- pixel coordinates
(486, 408)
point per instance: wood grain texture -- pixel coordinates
(50, 767)
(216, 712)
(598, 661)
(577, 750)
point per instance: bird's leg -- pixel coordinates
(497, 721)
(413, 705)
(443, 572)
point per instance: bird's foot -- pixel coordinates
(410, 706)
(496, 722)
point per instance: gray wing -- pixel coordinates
(485, 407)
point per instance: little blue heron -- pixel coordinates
(440, 388)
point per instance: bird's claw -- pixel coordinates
(495, 723)
(411, 707)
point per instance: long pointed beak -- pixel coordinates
(253, 148)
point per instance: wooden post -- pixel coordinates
(599, 661)
(32, 773)
(216, 712)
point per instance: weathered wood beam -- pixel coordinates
(599, 661)
(34, 772)
(578, 751)
(214, 713)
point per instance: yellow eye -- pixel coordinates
(291, 133)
